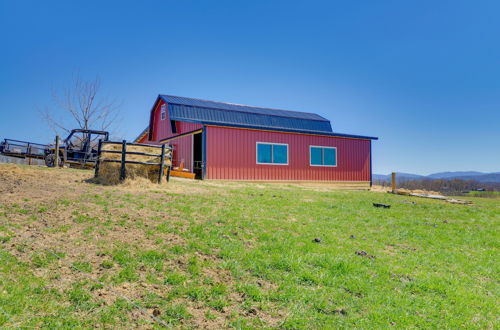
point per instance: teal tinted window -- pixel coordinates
(264, 153)
(323, 156)
(272, 153)
(280, 154)
(316, 156)
(329, 156)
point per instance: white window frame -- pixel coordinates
(163, 111)
(272, 154)
(324, 147)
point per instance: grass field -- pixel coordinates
(243, 255)
(488, 194)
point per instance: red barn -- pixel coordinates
(226, 141)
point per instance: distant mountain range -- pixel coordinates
(463, 175)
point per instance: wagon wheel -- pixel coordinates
(50, 160)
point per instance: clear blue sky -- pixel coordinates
(424, 76)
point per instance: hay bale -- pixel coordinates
(109, 172)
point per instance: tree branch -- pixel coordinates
(82, 104)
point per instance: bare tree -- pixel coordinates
(81, 106)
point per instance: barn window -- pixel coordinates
(323, 156)
(272, 153)
(163, 111)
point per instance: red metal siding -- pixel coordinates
(183, 147)
(161, 128)
(231, 155)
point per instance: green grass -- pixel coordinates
(490, 194)
(26, 301)
(246, 257)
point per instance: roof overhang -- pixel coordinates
(196, 131)
(272, 129)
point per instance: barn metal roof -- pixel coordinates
(196, 110)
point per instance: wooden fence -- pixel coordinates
(164, 154)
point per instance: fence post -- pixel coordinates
(122, 169)
(393, 182)
(56, 153)
(98, 159)
(171, 149)
(28, 151)
(162, 160)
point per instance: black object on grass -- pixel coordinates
(364, 254)
(385, 206)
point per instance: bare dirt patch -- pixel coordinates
(68, 229)
(379, 188)
(19, 183)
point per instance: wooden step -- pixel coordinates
(182, 174)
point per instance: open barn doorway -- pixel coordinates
(197, 155)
